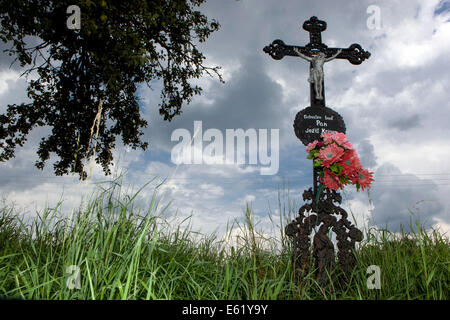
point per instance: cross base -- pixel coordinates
(323, 249)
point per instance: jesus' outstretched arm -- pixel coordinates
(334, 56)
(301, 55)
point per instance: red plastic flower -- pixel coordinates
(365, 178)
(340, 138)
(347, 145)
(331, 154)
(311, 146)
(327, 137)
(349, 162)
(330, 180)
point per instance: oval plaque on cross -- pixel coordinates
(311, 122)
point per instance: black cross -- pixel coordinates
(354, 54)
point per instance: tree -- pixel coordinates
(93, 71)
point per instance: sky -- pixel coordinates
(395, 107)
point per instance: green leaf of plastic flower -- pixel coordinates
(334, 168)
(318, 192)
(314, 153)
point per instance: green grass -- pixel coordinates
(121, 254)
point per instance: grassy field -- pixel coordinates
(107, 251)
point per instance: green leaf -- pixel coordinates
(319, 191)
(314, 153)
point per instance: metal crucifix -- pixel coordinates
(317, 53)
(309, 124)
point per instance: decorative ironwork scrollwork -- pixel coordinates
(328, 216)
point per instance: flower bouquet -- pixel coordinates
(337, 163)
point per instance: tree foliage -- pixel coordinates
(119, 45)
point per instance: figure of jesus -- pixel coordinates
(316, 72)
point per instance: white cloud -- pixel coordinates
(415, 42)
(7, 77)
(247, 199)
